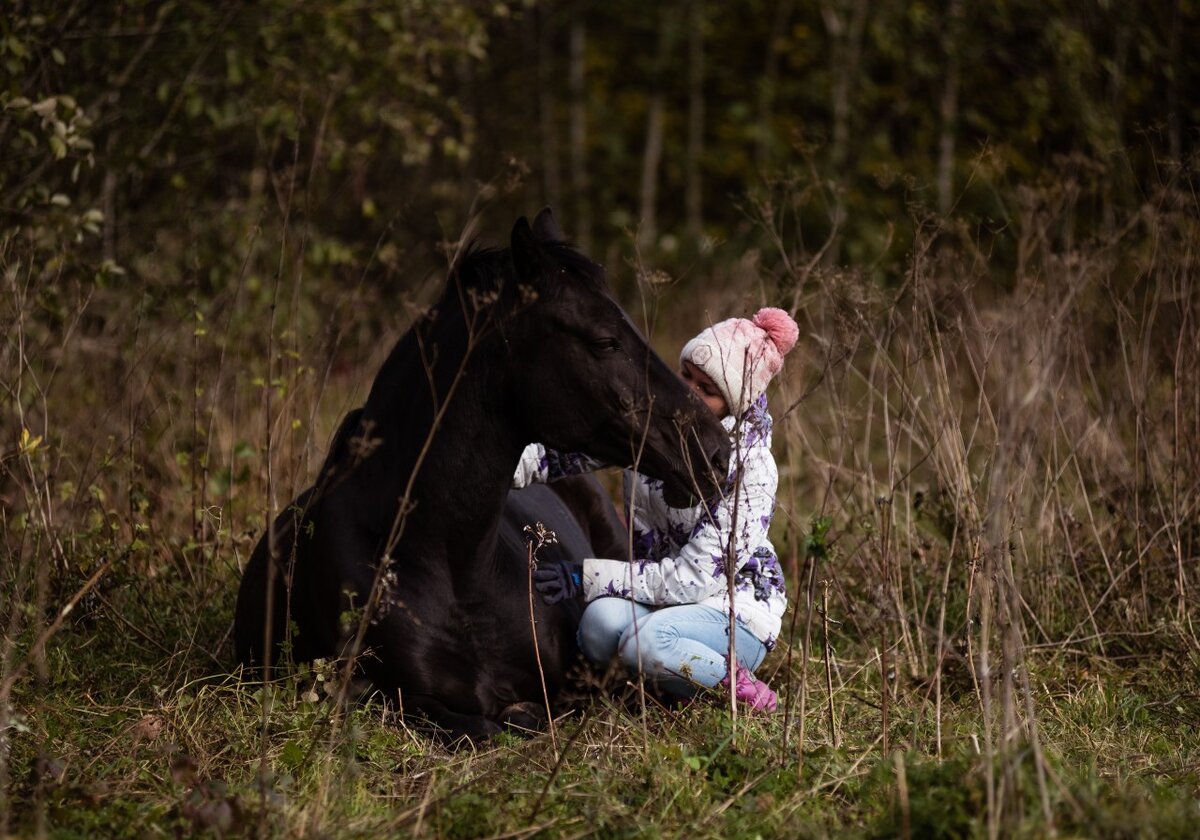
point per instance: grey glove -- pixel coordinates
(558, 581)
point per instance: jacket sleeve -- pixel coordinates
(539, 465)
(697, 572)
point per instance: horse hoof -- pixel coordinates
(469, 734)
(524, 717)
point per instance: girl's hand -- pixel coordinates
(558, 581)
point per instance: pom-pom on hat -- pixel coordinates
(742, 355)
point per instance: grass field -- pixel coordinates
(988, 513)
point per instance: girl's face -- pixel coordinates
(705, 388)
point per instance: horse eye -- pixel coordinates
(605, 345)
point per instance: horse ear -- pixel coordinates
(545, 227)
(526, 252)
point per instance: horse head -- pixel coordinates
(590, 382)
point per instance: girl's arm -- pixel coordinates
(539, 465)
(698, 571)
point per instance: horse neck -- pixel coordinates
(462, 446)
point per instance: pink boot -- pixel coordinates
(753, 691)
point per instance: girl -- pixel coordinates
(666, 613)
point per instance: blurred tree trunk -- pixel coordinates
(468, 179)
(648, 228)
(551, 172)
(845, 20)
(652, 154)
(949, 110)
(108, 198)
(776, 43)
(693, 195)
(1117, 184)
(1174, 131)
(582, 223)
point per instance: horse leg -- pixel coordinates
(525, 717)
(252, 615)
(452, 726)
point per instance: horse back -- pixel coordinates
(263, 596)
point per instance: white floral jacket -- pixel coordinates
(680, 552)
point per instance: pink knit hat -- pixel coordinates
(742, 355)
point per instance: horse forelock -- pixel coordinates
(477, 268)
(482, 271)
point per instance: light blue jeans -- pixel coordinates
(679, 648)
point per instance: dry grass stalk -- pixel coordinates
(536, 537)
(834, 735)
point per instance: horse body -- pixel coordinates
(524, 345)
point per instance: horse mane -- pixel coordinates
(478, 267)
(480, 280)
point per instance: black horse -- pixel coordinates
(408, 520)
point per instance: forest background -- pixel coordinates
(218, 216)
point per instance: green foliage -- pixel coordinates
(816, 541)
(947, 800)
(366, 121)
